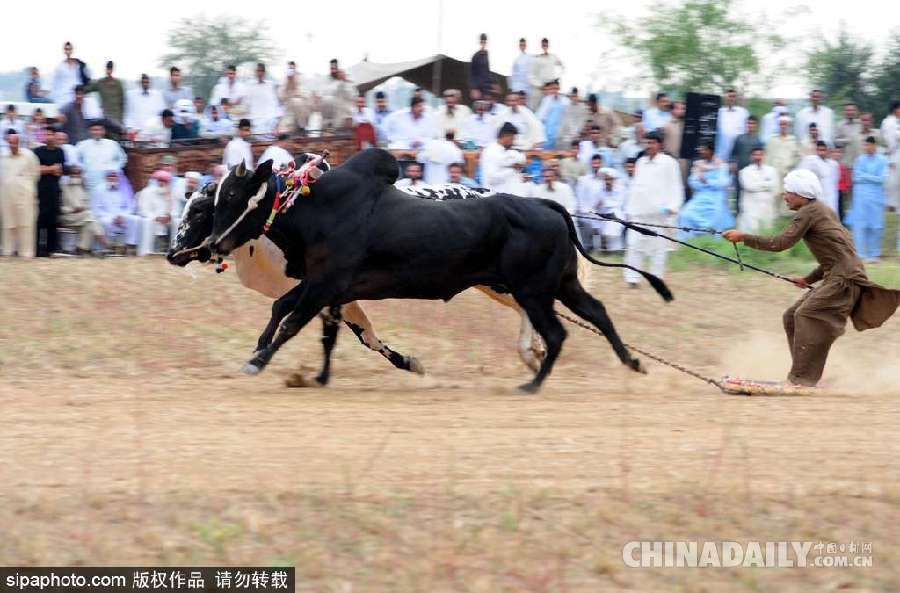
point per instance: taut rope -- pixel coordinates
(659, 359)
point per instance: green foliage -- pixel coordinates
(698, 45)
(203, 46)
(847, 70)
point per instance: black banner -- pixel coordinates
(700, 118)
(147, 578)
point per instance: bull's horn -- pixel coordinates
(240, 170)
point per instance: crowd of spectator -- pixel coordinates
(66, 171)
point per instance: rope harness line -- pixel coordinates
(678, 367)
(639, 227)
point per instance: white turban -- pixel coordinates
(803, 183)
(192, 175)
(609, 172)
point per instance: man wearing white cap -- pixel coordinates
(815, 321)
(155, 205)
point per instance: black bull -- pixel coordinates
(356, 237)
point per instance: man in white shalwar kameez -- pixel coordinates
(481, 127)
(437, 155)
(819, 164)
(531, 130)
(890, 135)
(229, 87)
(612, 201)
(410, 129)
(278, 153)
(588, 197)
(238, 149)
(501, 164)
(113, 207)
(818, 114)
(655, 195)
(155, 207)
(143, 105)
(451, 115)
(731, 123)
(554, 189)
(19, 174)
(261, 99)
(99, 154)
(758, 184)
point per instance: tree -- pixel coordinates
(843, 70)
(203, 46)
(886, 81)
(699, 45)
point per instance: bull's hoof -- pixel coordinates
(251, 369)
(529, 388)
(415, 366)
(637, 366)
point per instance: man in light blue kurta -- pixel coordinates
(866, 215)
(708, 208)
(551, 111)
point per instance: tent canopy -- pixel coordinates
(435, 73)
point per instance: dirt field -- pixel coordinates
(129, 437)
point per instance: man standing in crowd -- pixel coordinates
(657, 116)
(143, 106)
(278, 153)
(216, 124)
(672, 133)
(821, 168)
(296, 103)
(262, 102)
(74, 119)
(818, 114)
(380, 114)
(518, 80)
(155, 206)
(451, 115)
(866, 214)
(500, 163)
(531, 130)
(338, 98)
(890, 135)
(112, 98)
(70, 73)
(52, 160)
(551, 112)
(588, 198)
(709, 183)
(769, 125)
(33, 91)
(740, 155)
(228, 87)
(820, 316)
(238, 149)
(544, 68)
(553, 189)
(812, 139)
(655, 196)
(782, 152)
(99, 154)
(480, 70)
(113, 206)
(19, 174)
(607, 119)
(847, 134)
(481, 128)
(410, 129)
(175, 91)
(731, 123)
(437, 155)
(758, 182)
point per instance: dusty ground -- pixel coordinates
(128, 437)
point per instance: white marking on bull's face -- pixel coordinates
(218, 191)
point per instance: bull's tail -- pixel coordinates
(654, 281)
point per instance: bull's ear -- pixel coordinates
(263, 171)
(240, 170)
(188, 195)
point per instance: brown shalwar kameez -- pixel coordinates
(814, 322)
